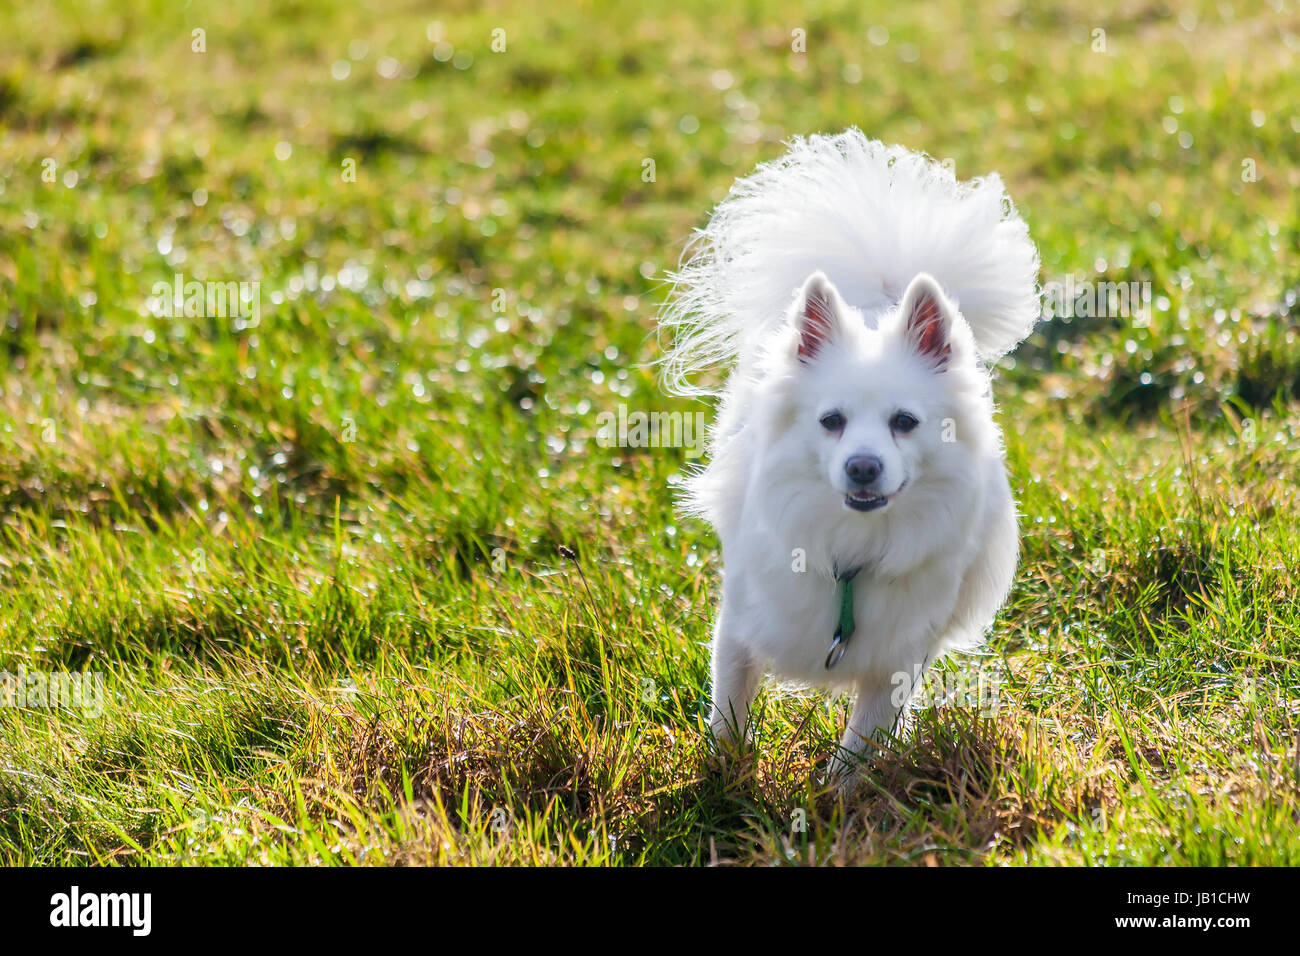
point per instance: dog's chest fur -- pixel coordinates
(789, 619)
(780, 584)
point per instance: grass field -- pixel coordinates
(313, 548)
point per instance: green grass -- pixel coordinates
(316, 558)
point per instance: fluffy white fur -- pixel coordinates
(857, 280)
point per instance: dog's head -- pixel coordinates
(885, 405)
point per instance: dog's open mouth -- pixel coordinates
(862, 501)
(869, 501)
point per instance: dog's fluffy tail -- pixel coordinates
(871, 217)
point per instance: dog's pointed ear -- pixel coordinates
(927, 320)
(816, 315)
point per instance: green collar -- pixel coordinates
(844, 630)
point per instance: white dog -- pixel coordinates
(856, 477)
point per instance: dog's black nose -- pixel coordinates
(864, 469)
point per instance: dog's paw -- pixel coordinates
(725, 756)
(731, 758)
(716, 761)
(843, 774)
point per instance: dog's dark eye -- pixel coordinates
(832, 421)
(903, 422)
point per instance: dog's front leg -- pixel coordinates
(735, 681)
(873, 711)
